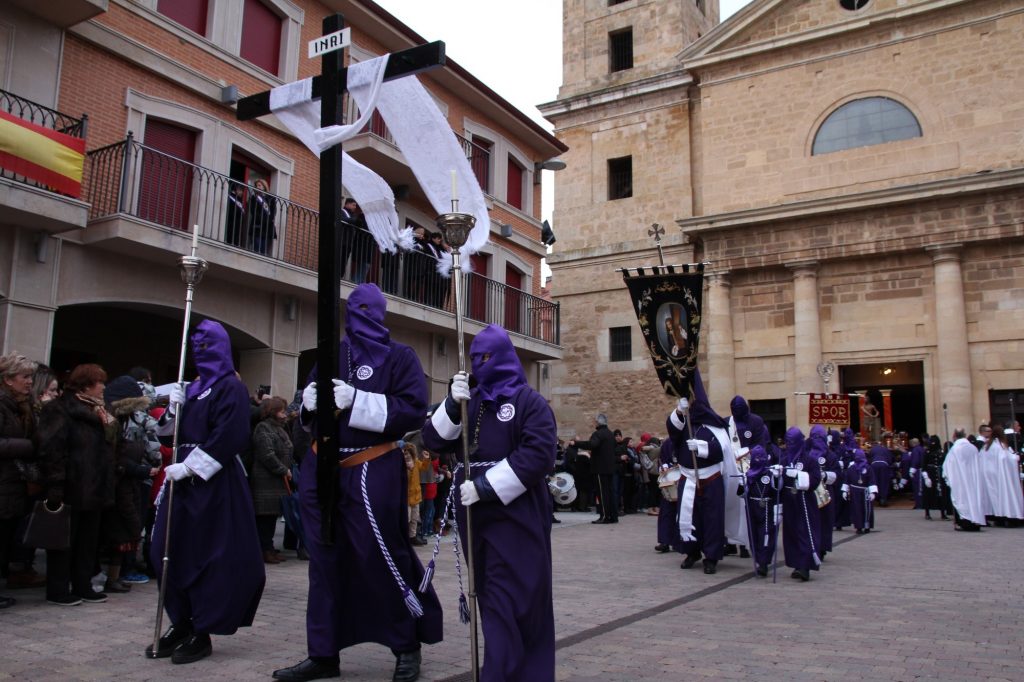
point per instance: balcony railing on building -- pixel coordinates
(40, 115)
(130, 179)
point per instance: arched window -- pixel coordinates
(864, 122)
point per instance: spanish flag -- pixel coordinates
(51, 158)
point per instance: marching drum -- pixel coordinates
(562, 487)
(668, 483)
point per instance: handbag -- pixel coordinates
(48, 529)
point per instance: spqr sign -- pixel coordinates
(830, 409)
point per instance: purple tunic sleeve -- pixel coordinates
(533, 455)
(401, 409)
(218, 425)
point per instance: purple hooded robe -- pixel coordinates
(859, 486)
(354, 595)
(513, 438)
(762, 497)
(800, 518)
(215, 575)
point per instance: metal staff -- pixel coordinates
(192, 270)
(777, 487)
(456, 228)
(945, 418)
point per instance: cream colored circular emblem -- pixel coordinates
(364, 372)
(506, 412)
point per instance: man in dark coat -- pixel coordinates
(512, 447)
(363, 586)
(604, 466)
(215, 575)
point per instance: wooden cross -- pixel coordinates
(329, 87)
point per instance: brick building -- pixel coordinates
(95, 278)
(853, 170)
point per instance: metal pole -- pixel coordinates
(456, 228)
(192, 270)
(945, 418)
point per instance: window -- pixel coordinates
(261, 36)
(620, 344)
(852, 5)
(189, 13)
(166, 175)
(620, 50)
(480, 161)
(773, 412)
(612, 3)
(514, 193)
(864, 122)
(514, 300)
(620, 178)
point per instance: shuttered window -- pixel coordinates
(165, 184)
(514, 194)
(261, 36)
(189, 13)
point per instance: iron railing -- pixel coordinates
(46, 117)
(129, 178)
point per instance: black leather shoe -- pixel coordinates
(193, 649)
(175, 635)
(610, 521)
(744, 553)
(407, 667)
(762, 570)
(308, 670)
(688, 562)
(710, 566)
(600, 520)
(662, 549)
(730, 550)
(797, 574)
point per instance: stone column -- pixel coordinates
(887, 409)
(721, 363)
(953, 358)
(807, 334)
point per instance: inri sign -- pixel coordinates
(330, 42)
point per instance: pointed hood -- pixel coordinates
(747, 422)
(211, 352)
(759, 461)
(794, 445)
(501, 374)
(817, 442)
(367, 337)
(701, 412)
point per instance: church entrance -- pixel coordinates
(895, 388)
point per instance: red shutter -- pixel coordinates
(513, 298)
(189, 13)
(261, 36)
(480, 160)
(477, 307)
(165, 184)
(515, 184)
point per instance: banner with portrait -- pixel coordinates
(667, 300)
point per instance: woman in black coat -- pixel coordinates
(17, 451)
(272, 464)
(75, 447)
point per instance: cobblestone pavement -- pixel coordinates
(914, 600)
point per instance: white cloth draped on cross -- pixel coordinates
(419, 129)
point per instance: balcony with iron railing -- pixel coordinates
(128, 179)
(36, 113)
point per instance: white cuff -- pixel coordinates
(369, 412)
(873, 489)
(505, 482)
(202, 464)
(444, 426)
(830, 477)
(676, 421)
(803, 481)
(845, 488)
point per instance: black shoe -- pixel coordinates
(615, 520)
(195, 648)
(418, 541)
(175, 635)
(730, 550)
(600, 520)
(302, 554)
(744, 553)
(860, 531)
(688, 562)
(6, 602)
(93, 597)
(662, 549)
(308, 670)
(66, 600)
(554, 520)
(823, 553)
(762, 570)
(407, 667)
(803, 576)
(710, 566)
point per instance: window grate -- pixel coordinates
(620, 178)
(620, 344)
(620, 50)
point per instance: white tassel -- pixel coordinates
(428, 575)
(413, 604)
(444, 265)
(406, 242)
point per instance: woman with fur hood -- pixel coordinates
(75, 437)
(122, 523)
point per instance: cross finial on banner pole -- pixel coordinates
(656, 231)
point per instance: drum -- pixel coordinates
(668, 483)
(566, 498)
(560, 484)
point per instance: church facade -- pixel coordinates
(852, 173)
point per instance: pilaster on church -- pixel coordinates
(952, 353)
(721, 359)
(806, 330)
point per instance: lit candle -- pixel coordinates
(195, 237)
(455, 193)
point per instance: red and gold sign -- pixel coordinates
(830, 409)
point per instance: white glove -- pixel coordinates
(177, 471)
(846, 495)
(683, 405)
(177, 397)
(309, 397)
(913, 471)
(468, 493)
(698, 446)
(927, 479)
(872, 497)
(776, 469)
(460, 387)
(343, 394)
(664, 467)
(792, 472)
